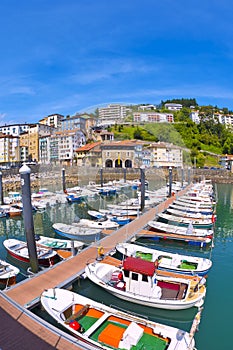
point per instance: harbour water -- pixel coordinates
(215, 326)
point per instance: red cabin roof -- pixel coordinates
(139, 265)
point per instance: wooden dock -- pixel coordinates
(20, 297)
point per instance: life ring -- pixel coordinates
(100, 251)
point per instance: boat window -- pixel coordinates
(126, 273)
(144, 278)
(134, 276)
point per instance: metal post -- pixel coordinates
(1, 190)
(73, 248)
(142, 171)
(101, 177)
(170, 182)
(28, 217)
(124, 169)
(63, 180)
(189, 170)
(182, 177)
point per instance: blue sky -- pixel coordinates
(69, 56)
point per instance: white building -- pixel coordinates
(53, 120)
(113, 113)
(60, 147)
(194, 116)
(226, 120)
(15, 129)
(9, 149)
(153, 117)
(173, 106)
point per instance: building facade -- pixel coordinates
(112, 114)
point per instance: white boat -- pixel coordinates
(56, 243)
(194, 209)
(120, 212)
(185, 214)
(189, 203)
(96, 215)
(188, 231)
(98, 326)
(188, 265)
(80, 233)
(19, 250)
(136, 281)
(99, 224)
(182, 221)
(8, 273)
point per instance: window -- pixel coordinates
(144, 278)
(134, 276)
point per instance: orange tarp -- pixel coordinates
(111, 335)
(94, 313)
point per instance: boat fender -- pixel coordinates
(75, 325)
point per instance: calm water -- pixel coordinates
(215, 326)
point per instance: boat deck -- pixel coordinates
(24, 294)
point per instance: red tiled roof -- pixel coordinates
(88, 146)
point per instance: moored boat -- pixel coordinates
(98, 224)
(136, 281)
(19, 250)
(80, 233)
(173, 262)
(182, 221)
(187, 231)
(8, 274)
(56, 243)
(103, 327)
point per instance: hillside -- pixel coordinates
(207, 141)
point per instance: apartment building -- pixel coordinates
(9, 149)
(112, 114)
(73, 123)
(165, 155)
(153, 117)
(59, 148)
(53, 120)
(15, 129)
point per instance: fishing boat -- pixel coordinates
(190, 230)
(197, 215)
(19, 250)
(80, 233)
(8, 274)
(189, 203)
(194, 209)
(75, 198)
(56, 243)
(182, 221)
(136, 281)
(103, 224)
(102, 327)
(96, 215)
(120, 212)
(188, 265)
(120, 220)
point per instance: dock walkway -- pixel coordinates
(16, 301)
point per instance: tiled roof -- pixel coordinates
(88, 147)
